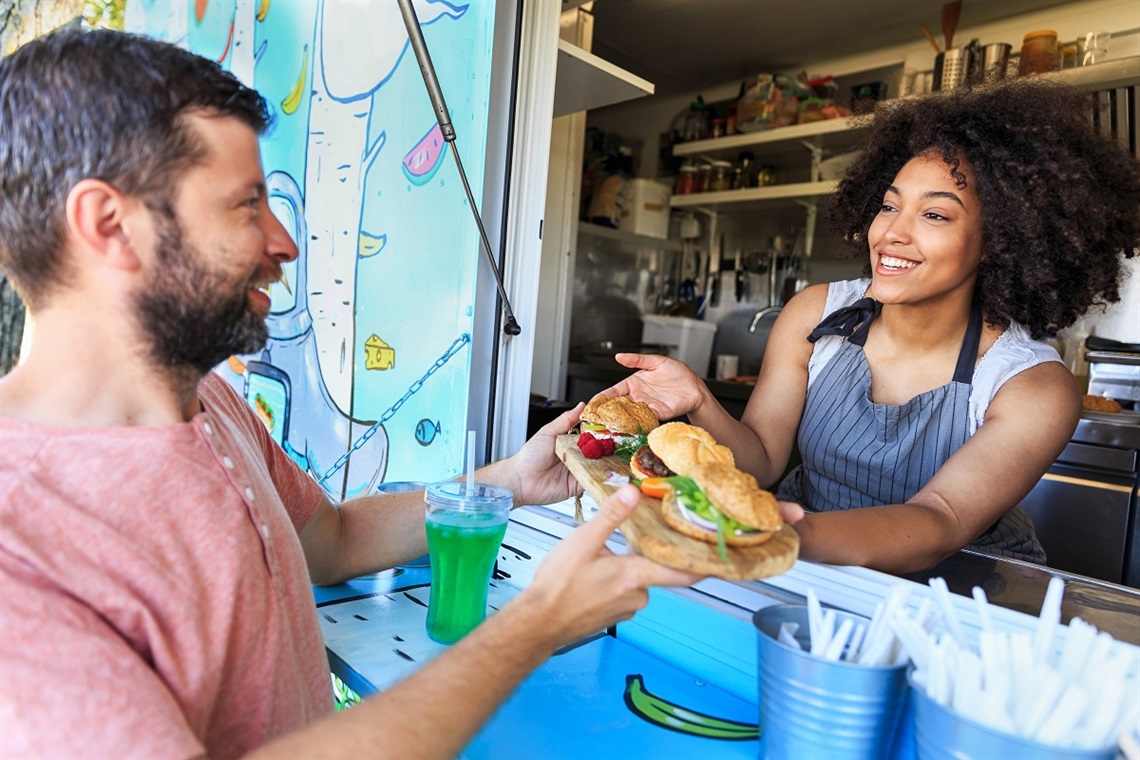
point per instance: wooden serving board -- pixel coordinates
(647, 533)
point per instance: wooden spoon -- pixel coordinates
(950, 13)
(930, 37)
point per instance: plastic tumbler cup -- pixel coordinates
(464, 530)
(812, 707)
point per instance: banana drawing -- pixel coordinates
(293, 100)
(666, 714)
(262, 10)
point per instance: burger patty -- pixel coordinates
(649, 463)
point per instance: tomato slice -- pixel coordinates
(656, 487)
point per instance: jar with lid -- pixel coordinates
(704, 172)
(720, 176)
(1039, 53)
(686, 180)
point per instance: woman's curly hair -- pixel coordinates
(1060, 203)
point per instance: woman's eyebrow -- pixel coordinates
(932, 194)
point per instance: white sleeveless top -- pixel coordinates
(1013, 352)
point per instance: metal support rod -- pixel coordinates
(435, 94)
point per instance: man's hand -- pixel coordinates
(582, 587)
(669, 387)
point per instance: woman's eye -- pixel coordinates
(886, 207)
(935, 216)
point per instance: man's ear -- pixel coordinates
(100, 219)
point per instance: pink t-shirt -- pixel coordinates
(154, 598)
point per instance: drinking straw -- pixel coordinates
(1048, 620)
(943, 595)
(839, 640)
(983, 609)
(787, 635)
(470, 462)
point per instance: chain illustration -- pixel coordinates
(451, 351)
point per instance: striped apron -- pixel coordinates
(857, 453)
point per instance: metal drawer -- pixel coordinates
(1098, 457)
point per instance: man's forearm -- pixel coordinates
(436, 711)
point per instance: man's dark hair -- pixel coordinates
(104, 105)
(1060, 203)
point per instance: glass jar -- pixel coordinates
(1039, 53)
(686, 180)
(703, 174)
(720, 176)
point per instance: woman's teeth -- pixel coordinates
(890, 262)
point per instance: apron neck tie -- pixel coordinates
(852, 322)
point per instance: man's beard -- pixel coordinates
(193, 317)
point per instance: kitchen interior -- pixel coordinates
(689, 180)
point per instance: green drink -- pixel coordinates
(464, 531)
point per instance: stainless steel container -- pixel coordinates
(995, 60)
(941, 734)
(951, 69)
(812, 707)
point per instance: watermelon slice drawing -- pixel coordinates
(423, 161)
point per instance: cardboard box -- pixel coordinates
(645, 208)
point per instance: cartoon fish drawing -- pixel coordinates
(426, 431)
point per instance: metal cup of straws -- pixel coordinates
(811, 706)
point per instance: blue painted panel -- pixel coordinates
(572, 707)
(716, 647)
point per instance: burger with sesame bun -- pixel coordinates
(675, 448)
(719, 504)
(614, 425)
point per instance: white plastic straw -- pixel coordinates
(1048, 621)
(470, 461)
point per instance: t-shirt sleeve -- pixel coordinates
(71, 686)
(299, 492)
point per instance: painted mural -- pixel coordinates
(365, 378)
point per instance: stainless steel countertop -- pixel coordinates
(1021, 586)
(1118, 431)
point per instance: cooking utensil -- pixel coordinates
(929, 37)
(950, 13)
(738, 276)
(714, 274)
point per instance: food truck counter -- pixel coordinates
(680, 678)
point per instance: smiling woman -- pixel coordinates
(921, 399)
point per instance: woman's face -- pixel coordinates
(926, 241)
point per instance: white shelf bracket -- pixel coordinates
(816, 157)
(812, 210)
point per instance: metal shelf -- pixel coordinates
(832, 134)
(1124, 72)
(627, 239)
(788, 195)
(585, 81)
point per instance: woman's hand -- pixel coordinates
(669, 387)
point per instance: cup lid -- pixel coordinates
(453, 494)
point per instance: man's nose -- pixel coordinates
(279, 244)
